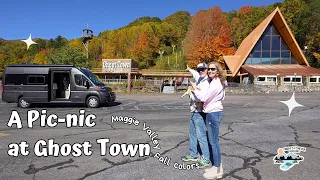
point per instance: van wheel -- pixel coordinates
(23, 103)
(93, 102)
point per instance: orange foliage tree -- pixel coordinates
(208, 38)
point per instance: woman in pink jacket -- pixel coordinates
(212, 98)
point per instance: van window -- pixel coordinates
(15, 79)
(36, 80)
(80, 80)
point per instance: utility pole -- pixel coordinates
(176, 58)
(173, 46)
(161, 52)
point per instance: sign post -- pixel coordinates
(129, 82)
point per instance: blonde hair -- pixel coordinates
(221, 73)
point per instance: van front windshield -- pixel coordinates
(95, 79)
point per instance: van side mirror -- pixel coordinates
(87, 84)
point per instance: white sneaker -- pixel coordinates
(213, 168)
(213, 174)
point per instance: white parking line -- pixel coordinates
(127, 104)
(3, 134)
(248, 103)
(173, 102)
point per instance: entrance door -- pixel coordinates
(60, 89)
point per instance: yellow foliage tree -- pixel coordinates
(76, 43)
(40, 58)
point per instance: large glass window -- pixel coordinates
(275, 42)
(266, 43)
(256, 56)
(265, 57)
(275, 57)
(248, 61)
(285, 57)
(271, 49)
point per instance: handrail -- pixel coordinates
(133, 70)
(156, 71)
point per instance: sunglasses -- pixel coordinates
(211, 69)
(201, 69)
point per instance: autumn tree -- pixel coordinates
(76, 43)
(41, 57)
(291, 10)
(109, 43)
(239, 25)
(194, 36)
(145, 48)
(95, 49)
(209, 38)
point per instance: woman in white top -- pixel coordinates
(212, 98)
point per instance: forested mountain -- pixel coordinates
(140, 21)
(172, 42)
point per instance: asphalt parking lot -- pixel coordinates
(253, 129)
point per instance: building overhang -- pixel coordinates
(281, 70)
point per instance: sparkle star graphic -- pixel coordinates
(29, 41)
(291, 103)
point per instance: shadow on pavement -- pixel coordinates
(56, 105)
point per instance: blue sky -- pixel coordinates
(48, 19)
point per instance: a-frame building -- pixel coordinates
(270, 55)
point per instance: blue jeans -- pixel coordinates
(197, 133)
(213, 124)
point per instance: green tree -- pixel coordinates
(68, 55)
(308, 23)
(140, 21)
(58, 42)
(240, 26)
(291, 10)
(180, 19)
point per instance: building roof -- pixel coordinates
(237, 60)
(117, 59)
(281, 70)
